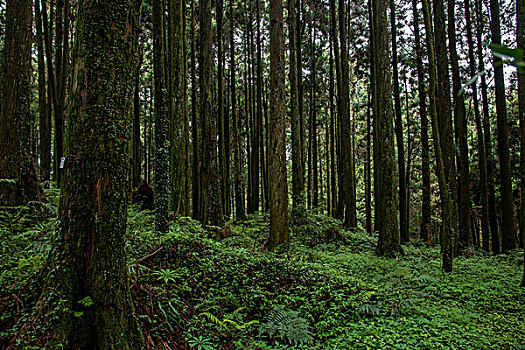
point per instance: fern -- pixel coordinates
(287, 325)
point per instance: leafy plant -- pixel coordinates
(287, 325)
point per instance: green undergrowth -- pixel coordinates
(217, 288)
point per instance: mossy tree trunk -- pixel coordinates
(279, 235)
(385, 195)
(179, 123)
(212, 206)
(196, 179)
(19, 182)
(520, 10)
(93, 202)
(162, 165)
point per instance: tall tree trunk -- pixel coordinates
(461, 133)
(508, 229)
(346, 133)
(17, 166)
(298, 213)
(446, 198)
(135, 144)
(179, 122)
(385, 197)
(444, 113)
(482, 165)
(212, 206)
(240, 213)
(162, 163)
(520, 11)
(313, 127)
(93, 202)
(43, 108)
(279, 232)
(196, 189)
(491, 163)
(220, 106)
(403, 215)
(333, 174)
(259, 116)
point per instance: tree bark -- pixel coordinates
(403, 215)
(447, 248)
(385, 196)
(508, 229)
(279, 232)
(212, 206)
(18, 171)
(482, 165)
(93, 201)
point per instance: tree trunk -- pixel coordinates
(162, 165)
(179, 122)
(212, 206)
(508, 229)
(18, 171)
(43, 110)
(461, 133)
(135, 144)
(93, 202)
(346, 133)
(403, 215)
(333, 174)
(279, 232)
(520, 20)
(482, 165)
(447, 248)
(196, 192)
(240, 213)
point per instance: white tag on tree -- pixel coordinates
(62, 162)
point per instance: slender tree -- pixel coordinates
(18, 171)
(447, 248)
(93, 201)
(403, 214)
(508, 229)
(279, 235)
(460, 129)
(348, 181)
(196, 184)
(482, 164)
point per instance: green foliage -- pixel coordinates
(218, 288)
(287, 325)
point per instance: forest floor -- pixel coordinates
(216, 288)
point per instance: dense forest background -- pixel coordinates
(196, 160)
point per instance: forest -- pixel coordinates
(226, 174)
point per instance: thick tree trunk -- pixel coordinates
(403, 215)
(93, 202)
(520, 11)
(18, 171)
(385, 197)
(508, 228)
(212, 206)
(179, 122)
(279, 232)
(196, 192)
